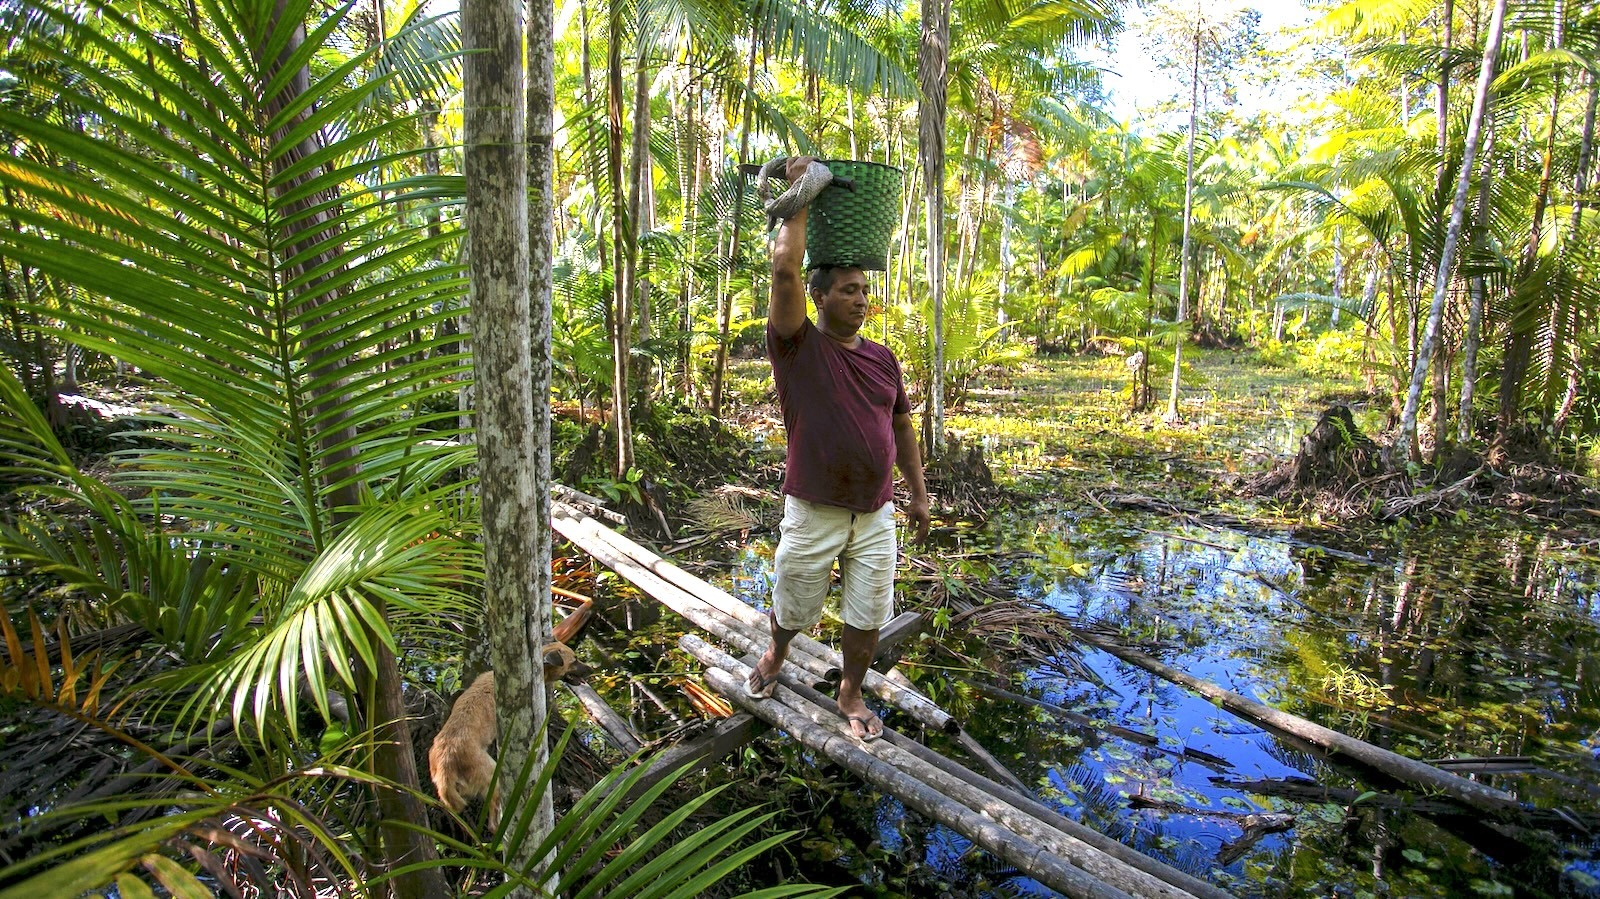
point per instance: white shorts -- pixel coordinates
(813, 537)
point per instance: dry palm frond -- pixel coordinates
(731, 509)
(704, 701)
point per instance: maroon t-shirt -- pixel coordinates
(838, 408)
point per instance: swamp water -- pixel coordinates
(1437, 643)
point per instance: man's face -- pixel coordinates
(843, 307)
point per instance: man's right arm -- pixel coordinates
(786, 311)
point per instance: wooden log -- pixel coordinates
(1489, 800)
(728, 735)
(1032, 859)
(572, 524)
(614, 726)
(904, 626)
(1023, 799)
(579, 500)
(650, 573)
(996, 768)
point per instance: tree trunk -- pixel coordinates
(641, 218)
(1564, 362)
(524, 624)
(932, 71)
(725, 296)
(1477, 293)
(1442, 112)
(311, 239)
(621, 253)
(1338, 277)
(1008, 199)
(1188, 212)
(1441, 367)
(497, 223)
(1406, 439)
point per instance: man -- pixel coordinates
(849, 424)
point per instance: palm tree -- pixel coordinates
(254, 285)
(1406, 439)
(932, 61)
(294, 513)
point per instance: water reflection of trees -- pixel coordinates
(1477, 644)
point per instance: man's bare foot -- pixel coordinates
(763, 677)
(863, 723)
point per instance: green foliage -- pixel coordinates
(244, 833)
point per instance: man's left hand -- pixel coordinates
(917, 511)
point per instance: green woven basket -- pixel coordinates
(855, 227)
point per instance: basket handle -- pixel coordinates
(752, 170)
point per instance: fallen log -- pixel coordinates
(686, 595)
(570, 523)
(1027, 855)
(1021, 798)
(617, 730)
(985, 758)
(1255, 827)
(1489, 800)
(726, 736)
(1302, 789)
(904, 626)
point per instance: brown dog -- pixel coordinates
(459, 761)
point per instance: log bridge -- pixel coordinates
(992, 809)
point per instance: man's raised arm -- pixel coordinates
(787, 310)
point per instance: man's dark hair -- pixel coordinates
(822, 277)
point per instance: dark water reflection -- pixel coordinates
(1445, 643)
(1450, 644)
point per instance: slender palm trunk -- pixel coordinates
(1008, 199)
(514, 491)
(621, 253)
(1477, 291)
(1188, 213)
(312, 238)
(1441, 366)
(725, 296)
(932, 70)
(527, 608)
(641, 219)
(1567, 317)
(1406, 440)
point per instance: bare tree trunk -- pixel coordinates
(725, 296)
(525, 621)
(498, 224)
(932, 71)
(1564, 363)
(1188, 213)
(1477, 292)
(641, 217)
(621, 253)
(1441, 368)
(1338, 277)
(1406, 439)
(312, 238)
(1008, 199)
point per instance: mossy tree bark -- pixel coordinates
(512, 485)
